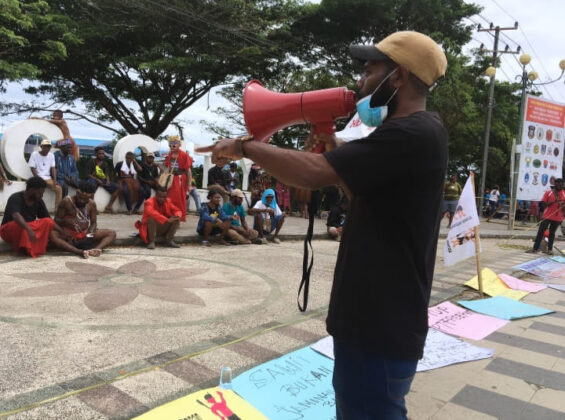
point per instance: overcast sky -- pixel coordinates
(539, 34)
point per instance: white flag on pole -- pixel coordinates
(460, 242)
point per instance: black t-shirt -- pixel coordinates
(384, 270)
(217, 176)
(17, 204)
(148, 172)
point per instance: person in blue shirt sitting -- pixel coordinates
(66, 166)
(213, 220)
(239, 231)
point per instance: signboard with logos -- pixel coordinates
(541, 160)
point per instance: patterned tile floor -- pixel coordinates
(66, 355)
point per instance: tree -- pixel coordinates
(32, 37)
(141, 63)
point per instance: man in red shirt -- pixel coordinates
(160, 218)
(553, 202)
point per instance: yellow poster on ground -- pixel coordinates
(208, 404)
(493, 286)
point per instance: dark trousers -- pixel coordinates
(166, 229)
(542, 227)
(368, 386)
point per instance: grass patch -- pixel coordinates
(514, 246)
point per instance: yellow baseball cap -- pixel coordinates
(420, 54)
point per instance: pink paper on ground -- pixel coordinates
(452, 319)
(518, 284)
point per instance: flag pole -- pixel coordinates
(477, 244)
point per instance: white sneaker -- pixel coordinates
(275, 240)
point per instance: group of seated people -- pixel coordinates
(228, 221)
(59, 171)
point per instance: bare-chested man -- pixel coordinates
(77, 215)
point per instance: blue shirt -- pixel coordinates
(209, 215)
(66, 167)
(230, 210)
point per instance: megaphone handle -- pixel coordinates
(322, 127)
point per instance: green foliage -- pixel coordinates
(141, 63)
(32, 37)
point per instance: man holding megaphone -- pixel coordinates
(383, 275)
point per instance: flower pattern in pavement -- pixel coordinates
(107, 288)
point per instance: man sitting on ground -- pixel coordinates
(77, 216)
(213, 220)
(268, 217)
(160, 218)
(26, 224)
(336, 220)
(239, 231)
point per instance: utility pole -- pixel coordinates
(491, 71)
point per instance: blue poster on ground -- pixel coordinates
(504, 308)
(295, 386)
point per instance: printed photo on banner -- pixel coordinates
(460, 242)
(541, 159)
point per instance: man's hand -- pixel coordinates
(173, 219)
(236, 217)
(329, 140)
(223, 151)
(31, 234)
(270, 211)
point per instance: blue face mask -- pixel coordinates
(371, 117)
(374, 117)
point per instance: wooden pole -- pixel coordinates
(477, 247)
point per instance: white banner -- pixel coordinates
(460, 241)
(354, 130)
(541, 159)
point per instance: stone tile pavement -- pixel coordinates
(63, 359)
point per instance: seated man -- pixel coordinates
(98, 173)
(268, 217)
(42, 164)
(336, 220)
(160, 218)
(126, 171)
(239, 231)
(218, 181)
(26, 223)
(67, 171)
(77, 216)
(149, 176)
(213, 220)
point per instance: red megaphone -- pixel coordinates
(266, 112)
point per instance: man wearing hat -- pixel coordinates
(42, 164)
(66, 166)
(149, 176)
(378, 306)
(239, 231)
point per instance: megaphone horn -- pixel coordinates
(266, 112)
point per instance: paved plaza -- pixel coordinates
(114, 336)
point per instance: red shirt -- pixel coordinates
(552, 201)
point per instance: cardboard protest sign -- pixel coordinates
(297, 385)
(208, 404)
(504, 308)
(452, 319)
(517, 284)
(444, 350)
(440, 350)
(493, 286)
(543, 267)
(460, 241)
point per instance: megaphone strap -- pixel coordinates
(307, 266)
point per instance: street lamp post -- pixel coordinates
(490, 72)
(526, 78)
